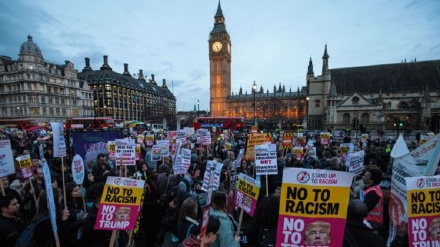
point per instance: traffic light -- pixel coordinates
(401, 124)
(396, 121)
(354, 124)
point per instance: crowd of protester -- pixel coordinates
(172, 205)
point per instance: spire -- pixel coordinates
(241, 91)
(219, 10)
(325, 58)
(219, 21)
(310, 68)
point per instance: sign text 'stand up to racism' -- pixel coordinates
(313, 200)
(120, 203)
(423, 210)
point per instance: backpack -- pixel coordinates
(26, 238)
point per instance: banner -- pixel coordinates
(120, 203)
(423, 210)
(6, 158)
(266, 159)
(91, 143)
(247, 193)
(59, 144)
(313, 201)
(49, 193)
(78, 169)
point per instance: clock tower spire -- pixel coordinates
(219, 65)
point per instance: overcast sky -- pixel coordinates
(272, 41)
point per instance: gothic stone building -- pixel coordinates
(375, 96)
(121, 96)
(34, 88)
(372, 96)
(276, 109)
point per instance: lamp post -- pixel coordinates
(307, 112)
(198, 108)
(254, 88)
(18, 110)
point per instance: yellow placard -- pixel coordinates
(423, 202)
(121, 195)
(314, 201)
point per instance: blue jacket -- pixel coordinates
(226, 238)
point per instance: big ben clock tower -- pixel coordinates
(219, 65)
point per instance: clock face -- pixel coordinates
(217, 46)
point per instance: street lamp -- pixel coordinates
(198, 108)
(307, 112)
(254, 88)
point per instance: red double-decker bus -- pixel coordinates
(89, 123)
(27, 124)
(231, 123)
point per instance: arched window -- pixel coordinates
(346, 118)
(355, 100)
(402, 105)
(317, 103)
(365, 118)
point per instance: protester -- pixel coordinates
(11, 225)
(227, 235)
(211, 235)
(356, 232)
(372, 196)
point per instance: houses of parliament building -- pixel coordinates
(389, 96)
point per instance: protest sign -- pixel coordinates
(149, 140)
(165, 145)
(140, 138)
(6, 158)
(299, 151)
(325, 138)
(266, 159)
(125, 153)
(247, 193)
(355, 162)
(120, 203)
(344, 148)
(156, 152)
(78, 169)
(287, 140)
(212, 167)
(423, 210)
(59, 144)
(252, 140)
(26, 168)
(421, 161)
(312, 200)
(111, 148)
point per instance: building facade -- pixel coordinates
(33, 88)
(121, 96)
(278, 108)
(404, 95)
